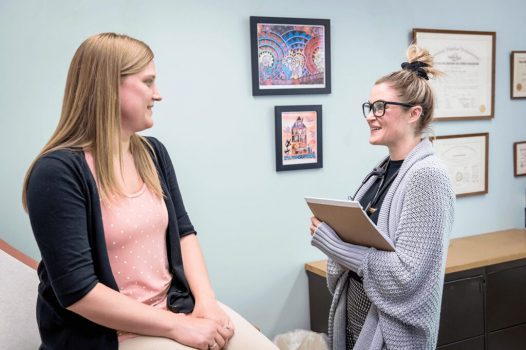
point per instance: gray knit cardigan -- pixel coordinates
(404, 286)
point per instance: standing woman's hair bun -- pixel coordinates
(413, 86)
(420, 62)
(416, 67)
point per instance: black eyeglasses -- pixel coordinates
(378, 107)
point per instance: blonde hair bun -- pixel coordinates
(420, 61)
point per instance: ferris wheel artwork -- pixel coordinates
(290, 56)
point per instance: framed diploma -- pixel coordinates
(467, 59)
(466, 157)
(519, 158)
(518, 74)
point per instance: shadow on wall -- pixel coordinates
(295, 302)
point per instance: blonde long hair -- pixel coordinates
(90, 117)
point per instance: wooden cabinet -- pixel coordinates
(462, 314)
(506, 295)
(506, 305)
(319, 302)
(484, 298)
(478, 305)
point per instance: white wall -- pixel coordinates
(252, 221)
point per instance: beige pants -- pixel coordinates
(245, 337)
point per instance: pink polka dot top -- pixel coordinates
(135, 232)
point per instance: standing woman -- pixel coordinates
(391, 300)
(121, 264)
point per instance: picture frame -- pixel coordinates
(290, 56)
(466, 158)
(518, 75)
(466, 90)
(299, 142)
(519, 158)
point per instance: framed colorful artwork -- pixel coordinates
(466, 157)
(298, 137)
(290, 56)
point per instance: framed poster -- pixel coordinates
(290, 56)
(519, 158)
(467, 59)
(518, 74)
(298, 137)
(466, 157)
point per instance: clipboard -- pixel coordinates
(350, 222)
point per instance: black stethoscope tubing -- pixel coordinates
(379, 170)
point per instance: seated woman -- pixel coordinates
(121, 264)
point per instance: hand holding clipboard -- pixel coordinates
(350, 222)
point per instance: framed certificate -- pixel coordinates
(519, 158)
(518, 74)
(467, 59)
(466, 157)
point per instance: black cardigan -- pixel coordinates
(65, 215)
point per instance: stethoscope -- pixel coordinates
(379, 171)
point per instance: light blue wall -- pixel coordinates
(252, 221)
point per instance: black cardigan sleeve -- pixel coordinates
(168, 173)
(57, 206)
